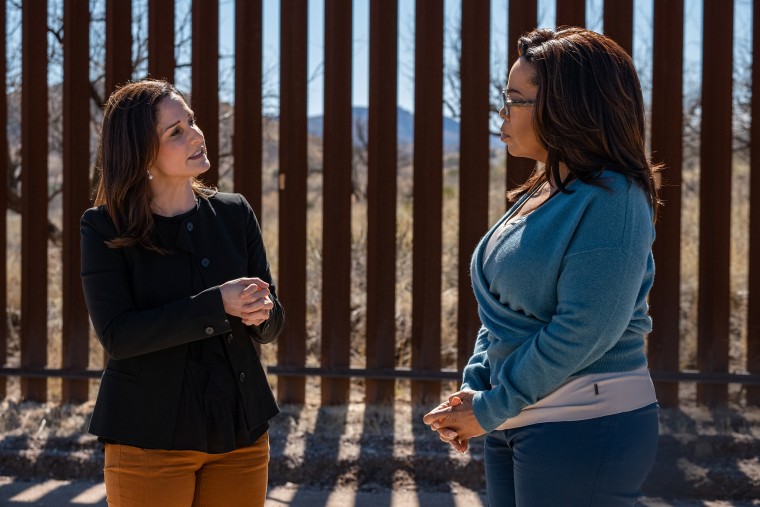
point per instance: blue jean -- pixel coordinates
(597, 462)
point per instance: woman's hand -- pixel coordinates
(455, 421)
(247, 298)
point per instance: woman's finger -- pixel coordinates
(459, 445)
(436, 414)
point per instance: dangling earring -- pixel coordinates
(150, 176)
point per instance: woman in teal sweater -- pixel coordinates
(558, 379)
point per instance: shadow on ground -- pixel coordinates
(703, 454)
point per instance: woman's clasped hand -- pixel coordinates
(247, 298)
(455, 421)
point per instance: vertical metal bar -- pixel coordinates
(247, 137)
(205, 80)
(571, 13)
(474, 155)
(161, 39)
(34, 204)
(753, 304)
(381, 196)
(715, 199)
(336, 211)
(428, 198)
(118, 54)
(523, 17)
(667, 127)
(3, 201)
(618, 22)
(76, 181)
(292, 199)
(118, 44)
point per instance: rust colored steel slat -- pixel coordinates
(118, 53)
(205, 81)
(76, 181)
(571, 13)
(523, 17)
(667, 125)
(474, 162)
(118, 44)
(247, 138)
(428, 199)
(618, 22)
(381, 197)
(753, 304)
(3, 201)
(336, 257)
(291, 350)
(715, 199)
(161, 39)
(34, 206)
(667, 114)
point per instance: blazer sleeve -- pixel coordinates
(123, 329)
(258, 266)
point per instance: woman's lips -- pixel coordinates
(200, 154)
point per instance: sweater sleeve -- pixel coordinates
(477, 372)
(597, 291)
(123, 330)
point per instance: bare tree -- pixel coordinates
(452, 77)
(56, 39)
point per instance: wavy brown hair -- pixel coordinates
(589, 110)
(128, 147)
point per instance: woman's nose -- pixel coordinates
(503, 113)
(197, 136)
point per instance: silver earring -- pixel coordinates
(150, 176)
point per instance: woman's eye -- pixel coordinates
(191, 121)
(176, 132)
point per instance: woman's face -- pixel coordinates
(517, 129)
(181, 147)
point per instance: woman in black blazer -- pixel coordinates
(178, 288)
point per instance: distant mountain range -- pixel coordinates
(404, 129)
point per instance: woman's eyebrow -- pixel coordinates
(512, 90)
(170, 126)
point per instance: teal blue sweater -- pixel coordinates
(563, 294)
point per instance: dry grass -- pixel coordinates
(739, 267)
(404, 275)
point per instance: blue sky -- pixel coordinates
(546, 18)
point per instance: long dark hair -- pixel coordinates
(128, 147)
(589, 110)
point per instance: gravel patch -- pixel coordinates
(703, 454)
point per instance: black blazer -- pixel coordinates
(145, 313)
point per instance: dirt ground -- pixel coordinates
(710, 455)
(58, 493)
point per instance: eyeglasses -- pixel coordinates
(518, 103)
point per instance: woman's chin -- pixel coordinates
(202, 168)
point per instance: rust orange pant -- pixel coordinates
(138, 477)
